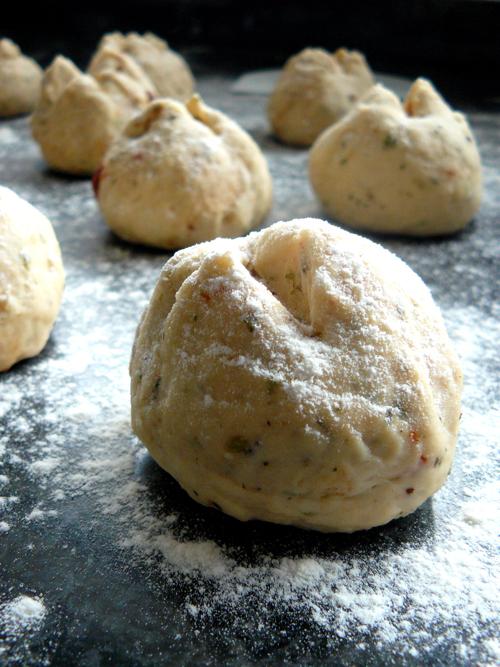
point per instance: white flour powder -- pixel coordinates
(408, 591)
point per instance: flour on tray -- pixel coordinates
(412, 595)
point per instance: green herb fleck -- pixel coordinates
(156, 388)
(250, 321)
(343, 161)
(239, 445)
(272, 386)
(25, 259)
(389, 141)
(291, 276)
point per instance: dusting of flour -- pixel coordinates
(411, 596)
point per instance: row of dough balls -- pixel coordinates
(300, 375)
(376, 163)
(382, 165)
(183, 173)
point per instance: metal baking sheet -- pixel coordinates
(106, 561)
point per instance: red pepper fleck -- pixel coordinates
(96, 180)
(191, 227)
(205, 296)
(410, 491)
(414, 437)
(138, 156)
(424, 458)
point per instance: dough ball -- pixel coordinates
(410, 168)
(180, 174)
(168, 71)
(20, 79)
(31, 279)
(78, 116)
(314, 90)
(300, 375)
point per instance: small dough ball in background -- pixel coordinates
(168, 71)
(314, 90)
(78, 116)
(410, 168)
(301, 375)
(180, 174)
(20, 79)
(31, 279)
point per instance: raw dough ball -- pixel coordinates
(78, 116)
(31, 279)
(20, 79)
(167, 70)
(301, 375)
(314, 90)
(180, 174)
(411, 169)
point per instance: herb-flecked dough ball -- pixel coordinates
(180, 174)
(301, 375)
(410, 168)
(31, 279)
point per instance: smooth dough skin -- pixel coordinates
(180, 174)
(20, 79)
(77, 116)
(31, 279)
(301, 375)
(410, 168)
(166, 69)
(314, 90)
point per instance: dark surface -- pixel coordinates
(453, 42)
(110, 604)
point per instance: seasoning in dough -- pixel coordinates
(20, 79)
(301, 375)
(411, 168)
(314, 90)
(31, 279)
(166, 69)
(180, 174)
(77, 116)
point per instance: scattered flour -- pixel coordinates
(407, 597)
(22, 615)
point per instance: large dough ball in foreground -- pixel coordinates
(410, 168)
(167, 70)
(301, 375)
(31, 279)
(20, 79)
(180, 174)
(77, 116)
(314, 90)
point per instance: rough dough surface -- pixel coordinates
(314, 90)
(78, 116)
(31, 279)
(180, 174)
(20, 79)
(301, 375)
(167, 70)
(410, 168)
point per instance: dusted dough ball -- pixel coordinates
(314, 90)
(180, 174)
(31, 279)
(408, 169)
(301, 375)
(78, 116)
(20, 79)
(168, 71)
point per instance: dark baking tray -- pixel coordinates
(64, 437)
